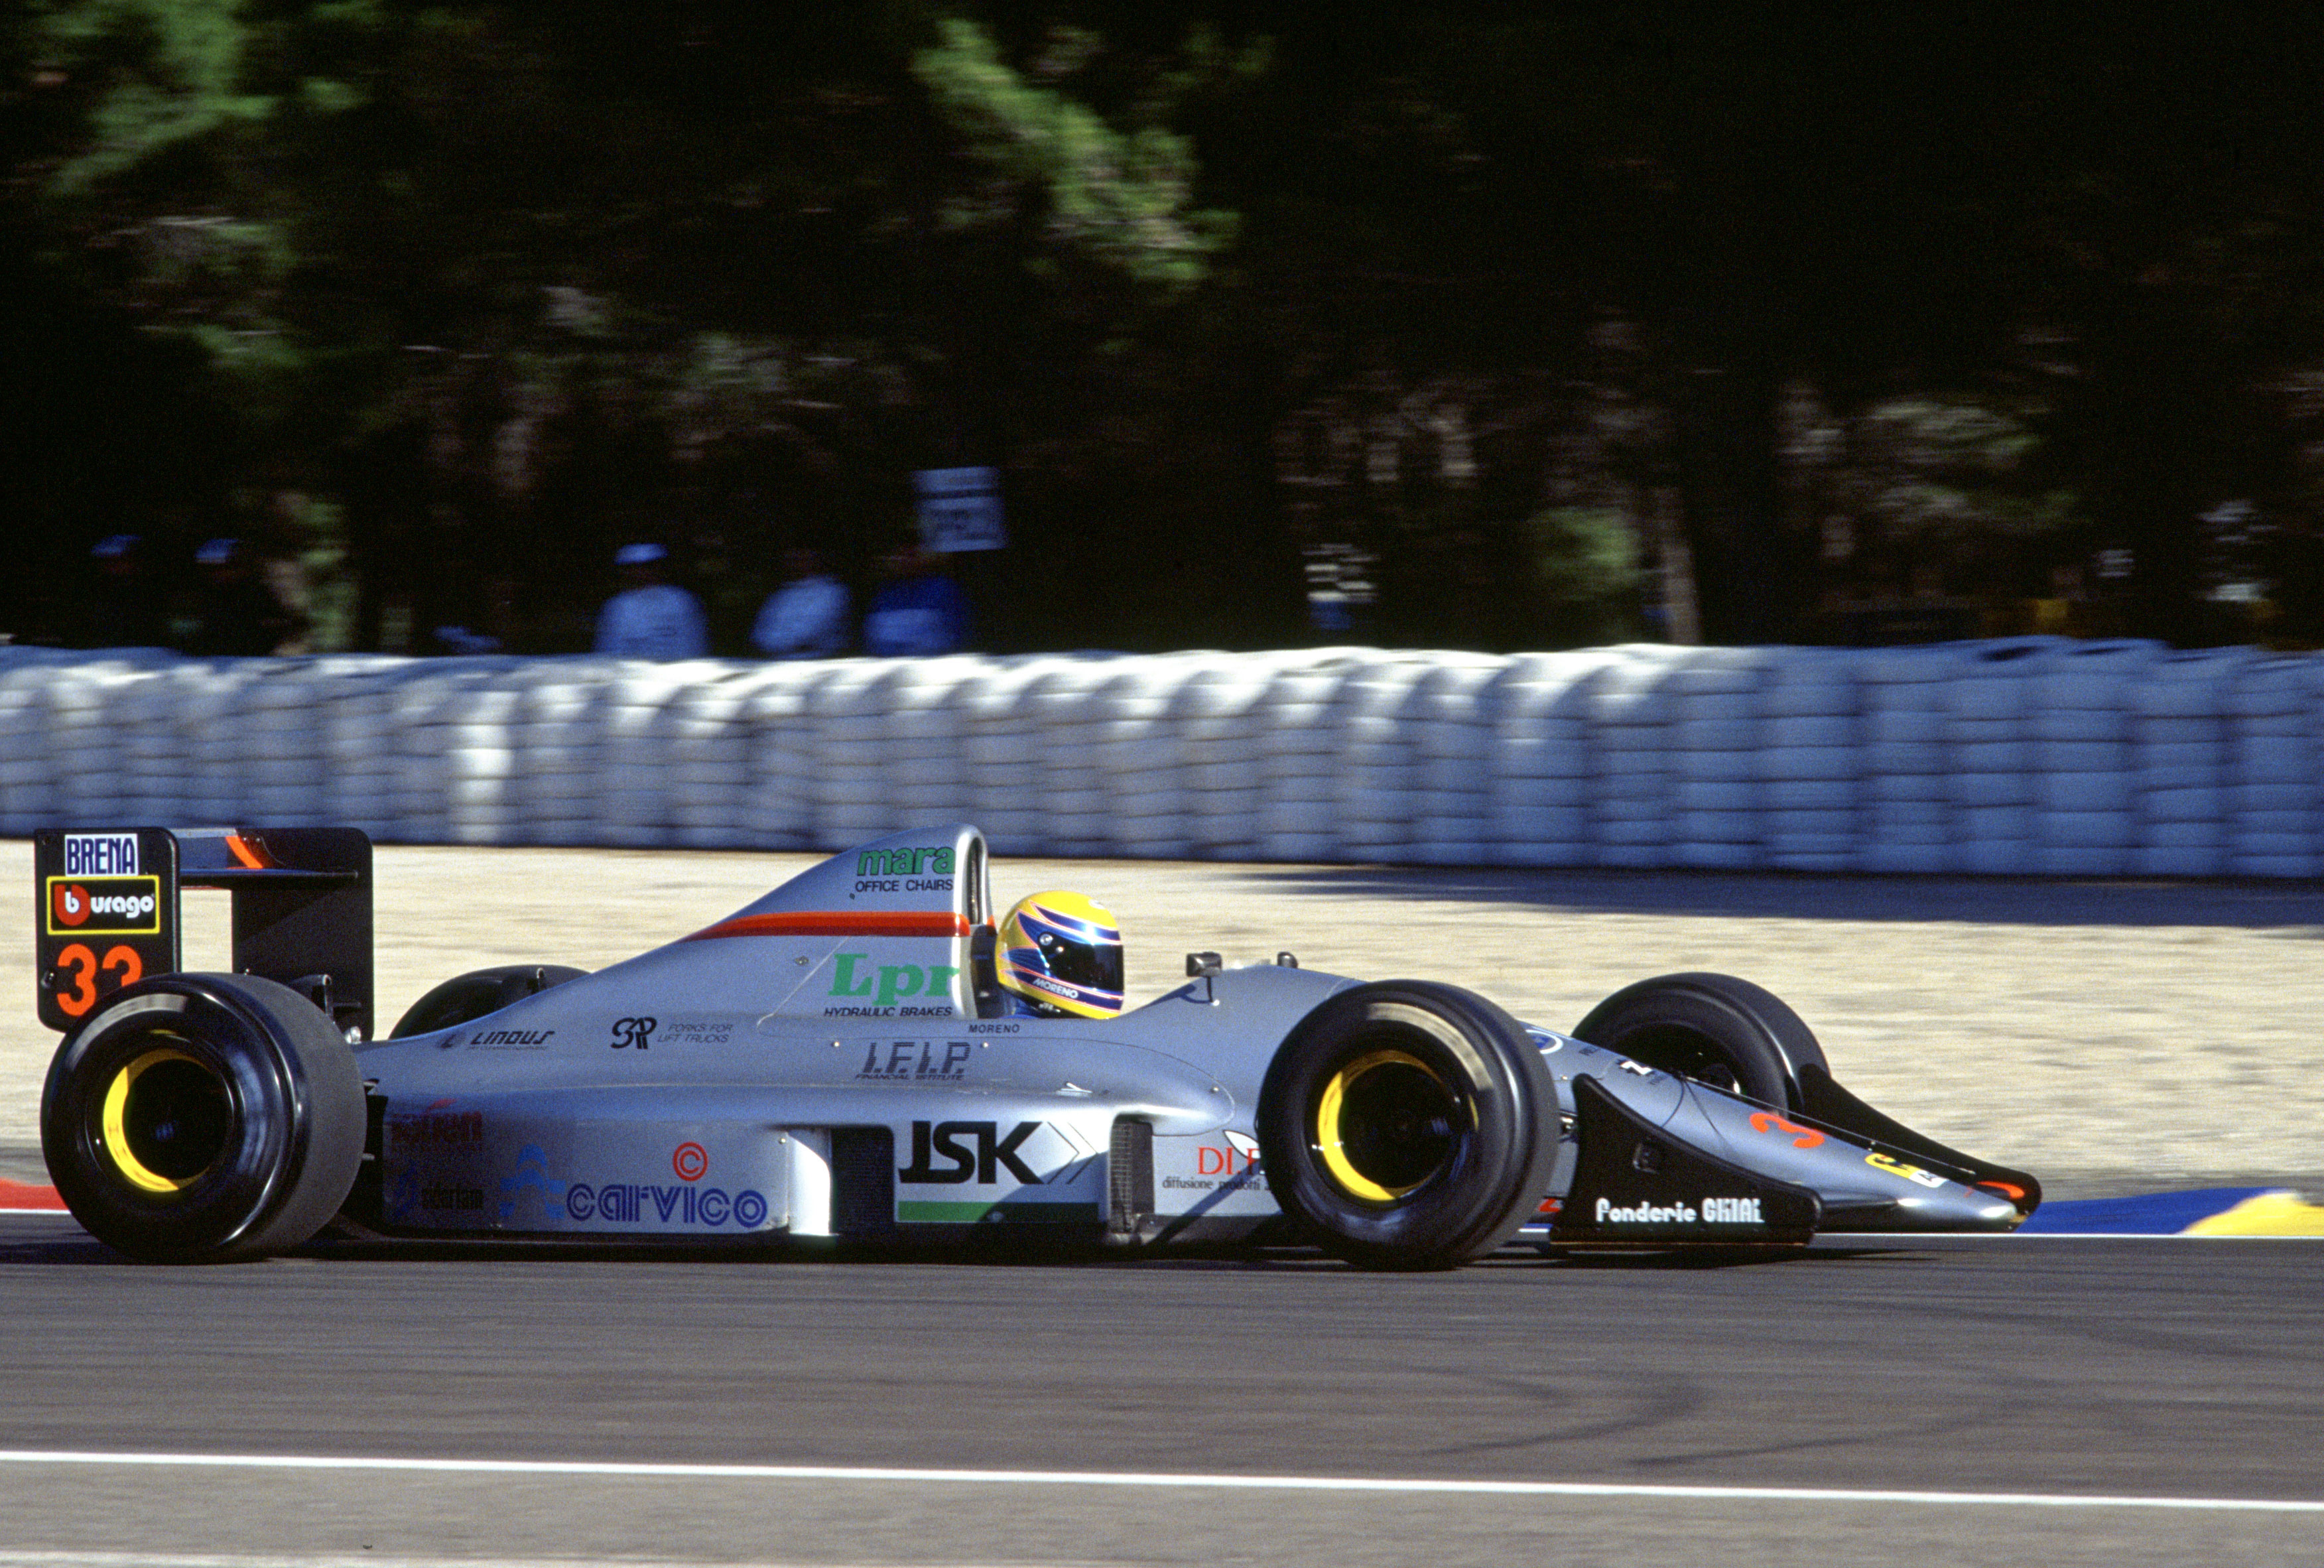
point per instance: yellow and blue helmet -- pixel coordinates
(1062, 950)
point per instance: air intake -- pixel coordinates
(863, 1180)
(1129, 1179)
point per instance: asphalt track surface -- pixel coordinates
(2046, 1370)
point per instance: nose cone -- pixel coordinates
(1950, 1208)
(1865, 1186)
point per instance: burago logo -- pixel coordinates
(105, 906)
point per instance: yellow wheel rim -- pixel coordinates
(1331, 1135)
(113, 1122)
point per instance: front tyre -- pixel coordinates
(1720, 1030)
(1411, 1124)
(203, 1118)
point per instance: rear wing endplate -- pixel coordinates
(107, 913)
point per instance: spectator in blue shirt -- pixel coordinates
(809, 616)
(652, 617)
(916, 611)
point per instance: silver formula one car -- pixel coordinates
(836, 1061)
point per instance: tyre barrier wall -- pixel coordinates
(2023, 756)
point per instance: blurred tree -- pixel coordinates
(502, 279)
(714, 271)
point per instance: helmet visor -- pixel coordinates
(1094, 966)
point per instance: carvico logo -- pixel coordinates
(102, 906)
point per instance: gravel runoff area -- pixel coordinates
(2109, 1035)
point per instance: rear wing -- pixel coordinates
(107, 912)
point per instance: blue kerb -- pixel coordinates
(2151, 1214)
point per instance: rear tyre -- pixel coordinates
(203, 1118)
(1722, 1031)
(1411, 1125)
(479, 991)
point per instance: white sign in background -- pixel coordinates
(960, 509)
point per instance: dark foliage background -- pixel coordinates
(1495, 326)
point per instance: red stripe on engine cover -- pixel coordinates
(841, 923)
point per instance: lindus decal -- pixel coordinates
(1702, 1212)
(511, 1040)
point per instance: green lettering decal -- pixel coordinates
(904, 862)
(898, 980)
(940, 979)
(842, 974)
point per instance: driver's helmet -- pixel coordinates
(1063, 950)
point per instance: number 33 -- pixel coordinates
(81, 966)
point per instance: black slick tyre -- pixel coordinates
(466, 997)
(203, 1118)
(1722, 1031)
(1410, 1125)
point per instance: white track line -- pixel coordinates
(1308, 1483)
